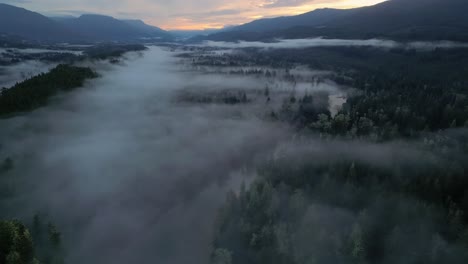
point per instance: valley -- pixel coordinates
(212, 121)
(334, 136)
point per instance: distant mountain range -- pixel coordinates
(313, 19)
(22, 23)
(395, 19)
(186, 34)
(106, 28)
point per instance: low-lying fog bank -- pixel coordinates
(320, 42)
(134, 166)
(128, 174)
(129, 171)
(17, 65)
(12, 74)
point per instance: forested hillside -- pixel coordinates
(35, 92)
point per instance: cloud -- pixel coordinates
(15, 1)
(9, 75)
(283, 3)
(216, 13)
(212, 13)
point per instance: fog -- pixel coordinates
(129, 175)
(132, 174)
(321, 42)
(10, 75)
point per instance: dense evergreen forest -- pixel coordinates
(35, 92)
(405, 201)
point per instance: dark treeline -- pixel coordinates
(112, 51)
(11, 57)
(224, 97)
(106, 51)
(35, 92)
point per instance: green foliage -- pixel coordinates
(20, 246)
(35, 92)
(16, 244)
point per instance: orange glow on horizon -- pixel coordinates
(245, 16)
(186, 24)
(189, 14)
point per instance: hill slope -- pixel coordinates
(144, 28)
(33, 26)
(30, 25)
(430, 19)
(398, 19)
(106, 28)
(314, 18)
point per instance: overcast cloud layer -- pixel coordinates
(186, 14)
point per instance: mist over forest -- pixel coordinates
(136, 164)
(132, 146)
(149, 167)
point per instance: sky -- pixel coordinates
(185, 14)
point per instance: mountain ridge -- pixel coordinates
(313, 18)
(33, 26)
(394, 19)
(24, 23)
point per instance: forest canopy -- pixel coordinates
(36, 91)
